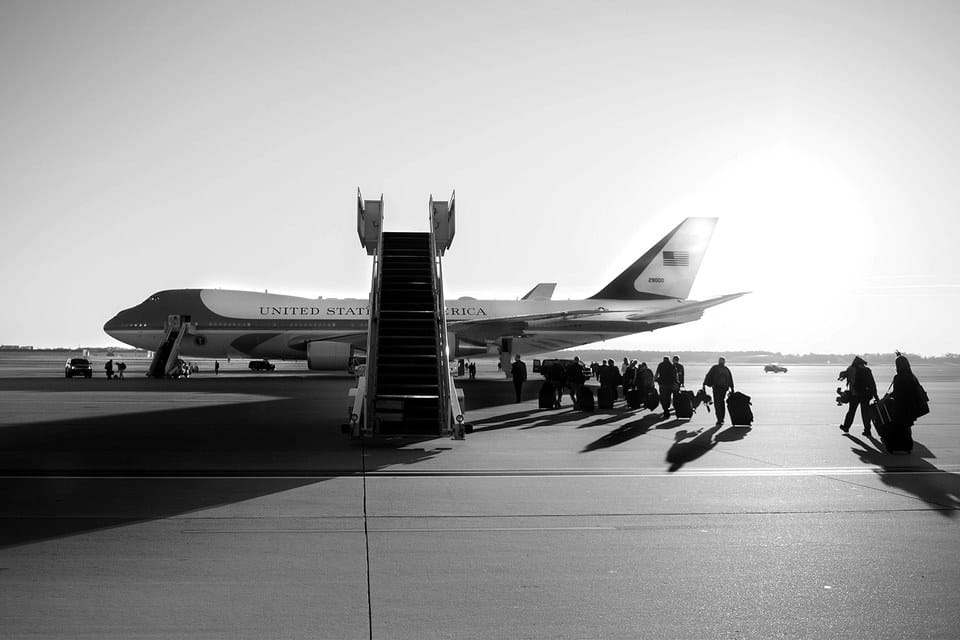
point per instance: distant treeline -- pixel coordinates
(590, 355)
(71, 349)
(760, 357)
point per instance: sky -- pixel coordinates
(160, 145)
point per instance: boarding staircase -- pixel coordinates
(407, 394)
(168, 352)
(407, 389)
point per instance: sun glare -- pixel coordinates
(789, 220)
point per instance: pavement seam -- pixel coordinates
(366, 534)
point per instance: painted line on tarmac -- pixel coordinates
(393, 530)
(487, 473)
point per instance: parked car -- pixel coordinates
(77, 367)
(774, 368)
(542, 366)
(261, 365)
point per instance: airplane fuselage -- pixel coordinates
(264, 325)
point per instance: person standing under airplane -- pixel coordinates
(518, 370)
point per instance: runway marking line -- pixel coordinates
(498, 473)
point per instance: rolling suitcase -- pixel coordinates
(683, 404)
(738, 406)
(894, 435)
(545, 397)
(634, 399)
(881, 413)
(896, 438)
(585, 399)
(605, 398)
(652, 399)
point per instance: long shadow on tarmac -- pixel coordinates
(70, 475)
(684, 451)
(624, 432)
(913, 474)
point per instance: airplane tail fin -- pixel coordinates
(543, 291)
(668, 268)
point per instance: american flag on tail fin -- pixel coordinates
(676, 258)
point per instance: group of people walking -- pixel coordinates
(892, 416)
(108, 369)
(630, 379)
(632, 375)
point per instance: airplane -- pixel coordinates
(328, 333)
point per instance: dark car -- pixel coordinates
(543, 366)
(77, 367)
(261, 365)
(774, 368)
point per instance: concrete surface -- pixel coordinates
(232, 507)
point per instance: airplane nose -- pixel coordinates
(118, 322)
(112, 325)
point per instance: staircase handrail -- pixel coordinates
(175, 349)
(373, 336)
(449, 405)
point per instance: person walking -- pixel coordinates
(679, 368)
(518, 371)
(862, 388)
(121, 367)
(909, 403)
(666, 378)
(472, 368)
(108, 367)
(645, 379)
(629, 378)
(609, 378)
(216, 367)
(556, 375)
(575, 379)
(720, 380)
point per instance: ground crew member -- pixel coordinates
(518, 370)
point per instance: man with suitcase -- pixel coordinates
(720, 380)
(666, 378)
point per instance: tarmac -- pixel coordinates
(231, 506)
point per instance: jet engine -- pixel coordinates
(329, 356)
(461, 348)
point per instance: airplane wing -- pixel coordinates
(494, 328)
(486, 329)
(683, 310)
(358, 340)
